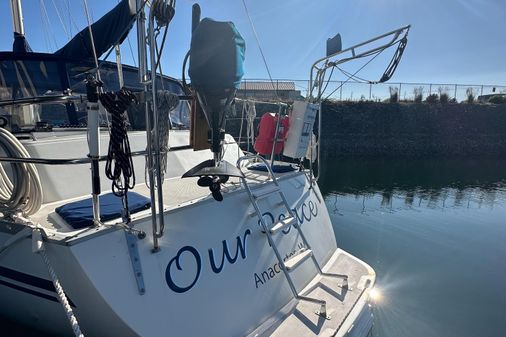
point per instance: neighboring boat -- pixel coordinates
(235, 248)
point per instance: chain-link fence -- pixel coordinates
(360, 91)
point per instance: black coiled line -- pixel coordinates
(119, 165)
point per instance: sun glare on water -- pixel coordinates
(375, 295)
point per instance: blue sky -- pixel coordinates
(451, 41)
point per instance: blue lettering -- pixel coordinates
(258, 280)
(168, 276)
(313, 208)
(240, 249)
(269, 222)
(306, 212)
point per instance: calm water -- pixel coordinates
(435, 233)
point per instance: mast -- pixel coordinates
(17, 17)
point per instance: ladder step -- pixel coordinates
(285, 223)
(296, 260)
(265, 192)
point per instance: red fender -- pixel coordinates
(266, 131)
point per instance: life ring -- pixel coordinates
(267, 129)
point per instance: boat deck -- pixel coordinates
(299, 319)
(176, 193)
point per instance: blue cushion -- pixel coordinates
(79, 214)
(275, 168)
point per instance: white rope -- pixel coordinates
(24, 192)
(39, 248)
(251, 114)
(62, 297)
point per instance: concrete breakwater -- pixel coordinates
(369, 129)
(352, 129)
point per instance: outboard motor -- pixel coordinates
(216, 69)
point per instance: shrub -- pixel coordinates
(443, 95)
(394, 94)
(418, 92)
(470, 95)
(432, 98)
(497, 99)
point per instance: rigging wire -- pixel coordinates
(47, 26)
(128, 40)
(260, 48)
(88, 18)
(67, 7)
(356, 78)
(350, 77)
(401, 45)
(71, 18)
(320, 75)
(330, 77)
(61, 20)
(131, 51)
(159, 53)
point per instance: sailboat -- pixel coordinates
(111, 230)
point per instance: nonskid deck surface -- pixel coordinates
(176, 192)
(302, 321)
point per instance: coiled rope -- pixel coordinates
(119, 165)
(24, 192)
(166, 102)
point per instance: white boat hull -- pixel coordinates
(215, 274)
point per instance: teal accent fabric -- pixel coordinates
(216, 56)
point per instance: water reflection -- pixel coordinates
(434, 233)
(432, 184)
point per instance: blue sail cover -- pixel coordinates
(111, 29)
(216, 55)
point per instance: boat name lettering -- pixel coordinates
(192, 251)
(168, 275)
(271, 272)
(240, 248)
(305, 213)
